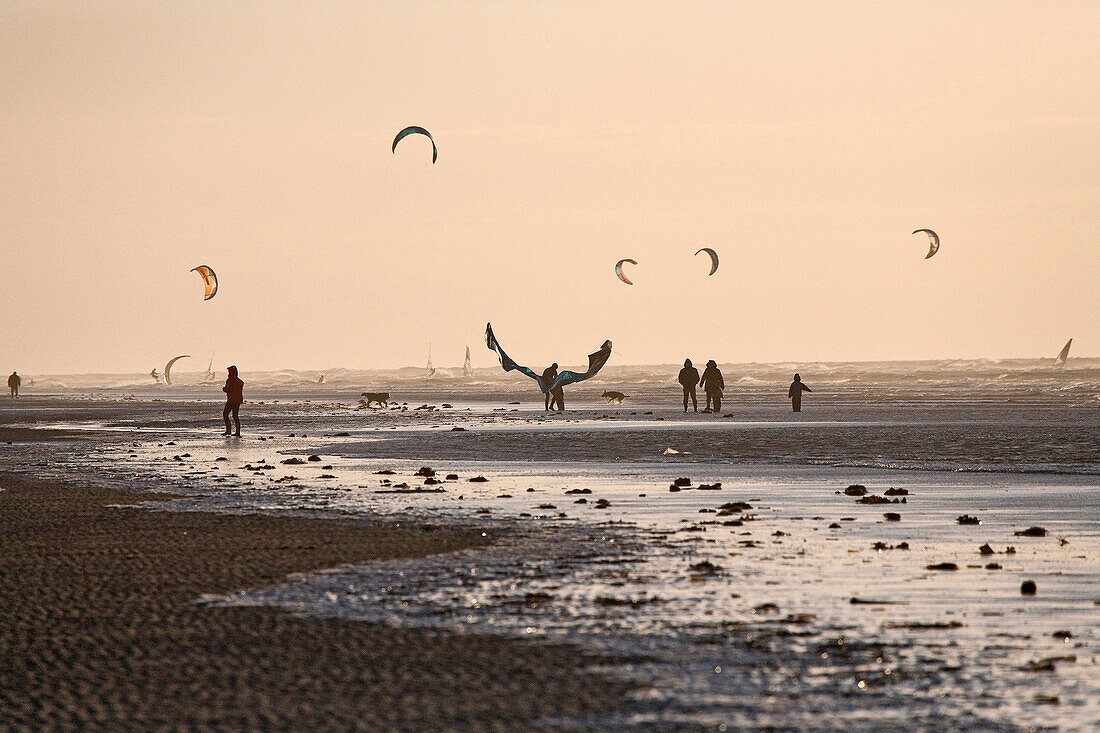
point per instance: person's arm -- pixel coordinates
(807, 388)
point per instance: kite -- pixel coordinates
(168, 367)
(414, 130)
(596, 360)
(619, 270)
(933, 241)
(209, 279)
(713, 259)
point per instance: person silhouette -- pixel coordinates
(712, 384)
(795, 393)
(13, 384)
(234, 397)
(689, 377)
(549, 374)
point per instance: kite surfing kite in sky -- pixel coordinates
(209, 279)
(596, 360)
(713, 259)
(168, 367)
(933, 241)
(414, 130)
(619, 270)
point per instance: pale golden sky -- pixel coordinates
(802, 141)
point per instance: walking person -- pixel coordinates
(234, 397)
(13, 384)
(712, 384)
(549, 374)
(795, 393)
(689, 377)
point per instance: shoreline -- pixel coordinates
(98, 628)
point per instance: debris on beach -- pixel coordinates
(706, 567)
(875, 499)
(892, 516)
(881, 546)
(986, 549)
(857, 601)
(716, 486)
(425, 471)
(1028, 588)
(1032, 532)
(314, 459)
(1063, 635)
(293, 461)
(479, 480)
(855, 490)
(942, 566)
(579, 491)
(452, 477)
(682, 481)
(896, 492)
(967, 519)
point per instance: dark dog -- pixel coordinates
(614, 397)
(382, 398)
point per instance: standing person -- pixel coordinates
(234, 397)
(712, 384)
(795, 393)
(549, 374)
(13, 384)
(689, 377)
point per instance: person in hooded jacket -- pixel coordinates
(795, 393)
(234, 397)
(712, 384)
(689, 377)
(549, 374)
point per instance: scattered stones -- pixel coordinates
(314, 459)
(683, 481)
(425, 471)
(1031, 532)
(705, 568)
(602, 504)
(479, 480)
(452, 477)
(993, 566)
(295, 461)
(855, 490)
(431, 481)
(856, 601)
(892, 517)
(881, 546)
(766, 608)
(710, 487)
(942, 566)
(457, 429)
(968, 520)
(579, 491)
(986, 549)
(874, 499)
(1028, 588)
(923, 625)
(1063, 635)
(834, 525)
(581, 500)
(342, 434)
(546, 506)
(385, 472)
(896, 492)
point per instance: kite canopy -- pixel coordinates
(933, 241)
(596, 360)
(619, 270)
(713, 259)
(414, 130)
(168, 367)
(209, 279)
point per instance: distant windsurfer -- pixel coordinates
(234, 397)
(689, 377)
(13, 384)
(712, 384)
(155, 375)
(795, 393)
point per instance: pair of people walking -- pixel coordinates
(712, 382)
(555, 398)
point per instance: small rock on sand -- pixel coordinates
(1031, 532)
(896, 492)
(425, 471)
(892, 517)
(967, 519)
(1028, 588)
(479, 480)
(942, 566)
(986, 549)
(293, 461)
(855, 490)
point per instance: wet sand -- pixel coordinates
(98, 629)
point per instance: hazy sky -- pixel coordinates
(802, 141)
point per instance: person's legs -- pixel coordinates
(685, 399)
(237, 419)
(717, 403)
(796, 403)
(546, 401)
(694, 400)
(225, 416)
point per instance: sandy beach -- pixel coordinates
(98, 629)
